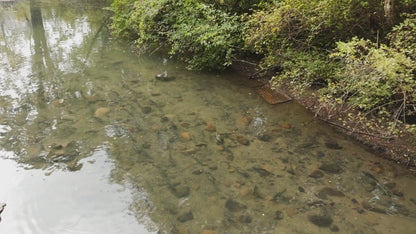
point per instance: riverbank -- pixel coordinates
(362, 82)
(399, 149)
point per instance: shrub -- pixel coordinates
(403, 36)
(376, 80)
(204, 37)
(301, 70)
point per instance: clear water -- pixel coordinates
(92, 142)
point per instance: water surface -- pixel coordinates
(92, 142)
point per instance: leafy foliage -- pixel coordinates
(403, 36)
(375, 75)
(237, 6)
(203, 36)
(302, 69)
(377, 80)
(304, 24)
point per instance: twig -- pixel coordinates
(244, 61)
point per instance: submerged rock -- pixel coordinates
(242, 140)
(101, 112)
(181, 191)
(164, 77)
(207, 232)
(285, 125)
(210, 128)
(245, 120)
(327, 191)
(320, 220)
(244, 219)
(334, 228)
(333, 168)
(278, 215)
(333, 145)
(316, 174)
(264, 137)
(185, 217)
(146, 109)
(186, 136)
(373, 208)
(234, 206)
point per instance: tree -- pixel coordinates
(390, 12)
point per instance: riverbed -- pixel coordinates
(93, 140)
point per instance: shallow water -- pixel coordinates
(91, 142)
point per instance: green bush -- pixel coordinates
(301, 70)
(204, 37)
(236, 6)
(305, 24)
(376, 80)
(120, 21)
(403, 36)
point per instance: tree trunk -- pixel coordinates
(390, 12)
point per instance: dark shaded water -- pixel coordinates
(91, 142)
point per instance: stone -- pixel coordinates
(58, 103)
(334, 228)
(185, 124)
(245, 191)
(212, 199)
(268, 168)
(320, 220)
(242, 140)
(373, 208)
(207, 232)
(332, 168)
(164, 77)
(213, 167)
(185, 217)
(390, 185)
(264, 137)
(398, 193)
(186, 136)
(278, 215)
(316, 174)
(146, 109)
(333, 145)
(328, 191)
(181, 191)
(286, 125)
(101, 112)
(164, 119)
(198, 172)
(182, 230)
(210, 128)
(244, 219)
(245, 121)
(227, 183)
(189, 151)
(234, 206)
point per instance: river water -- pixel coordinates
(92, 142)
